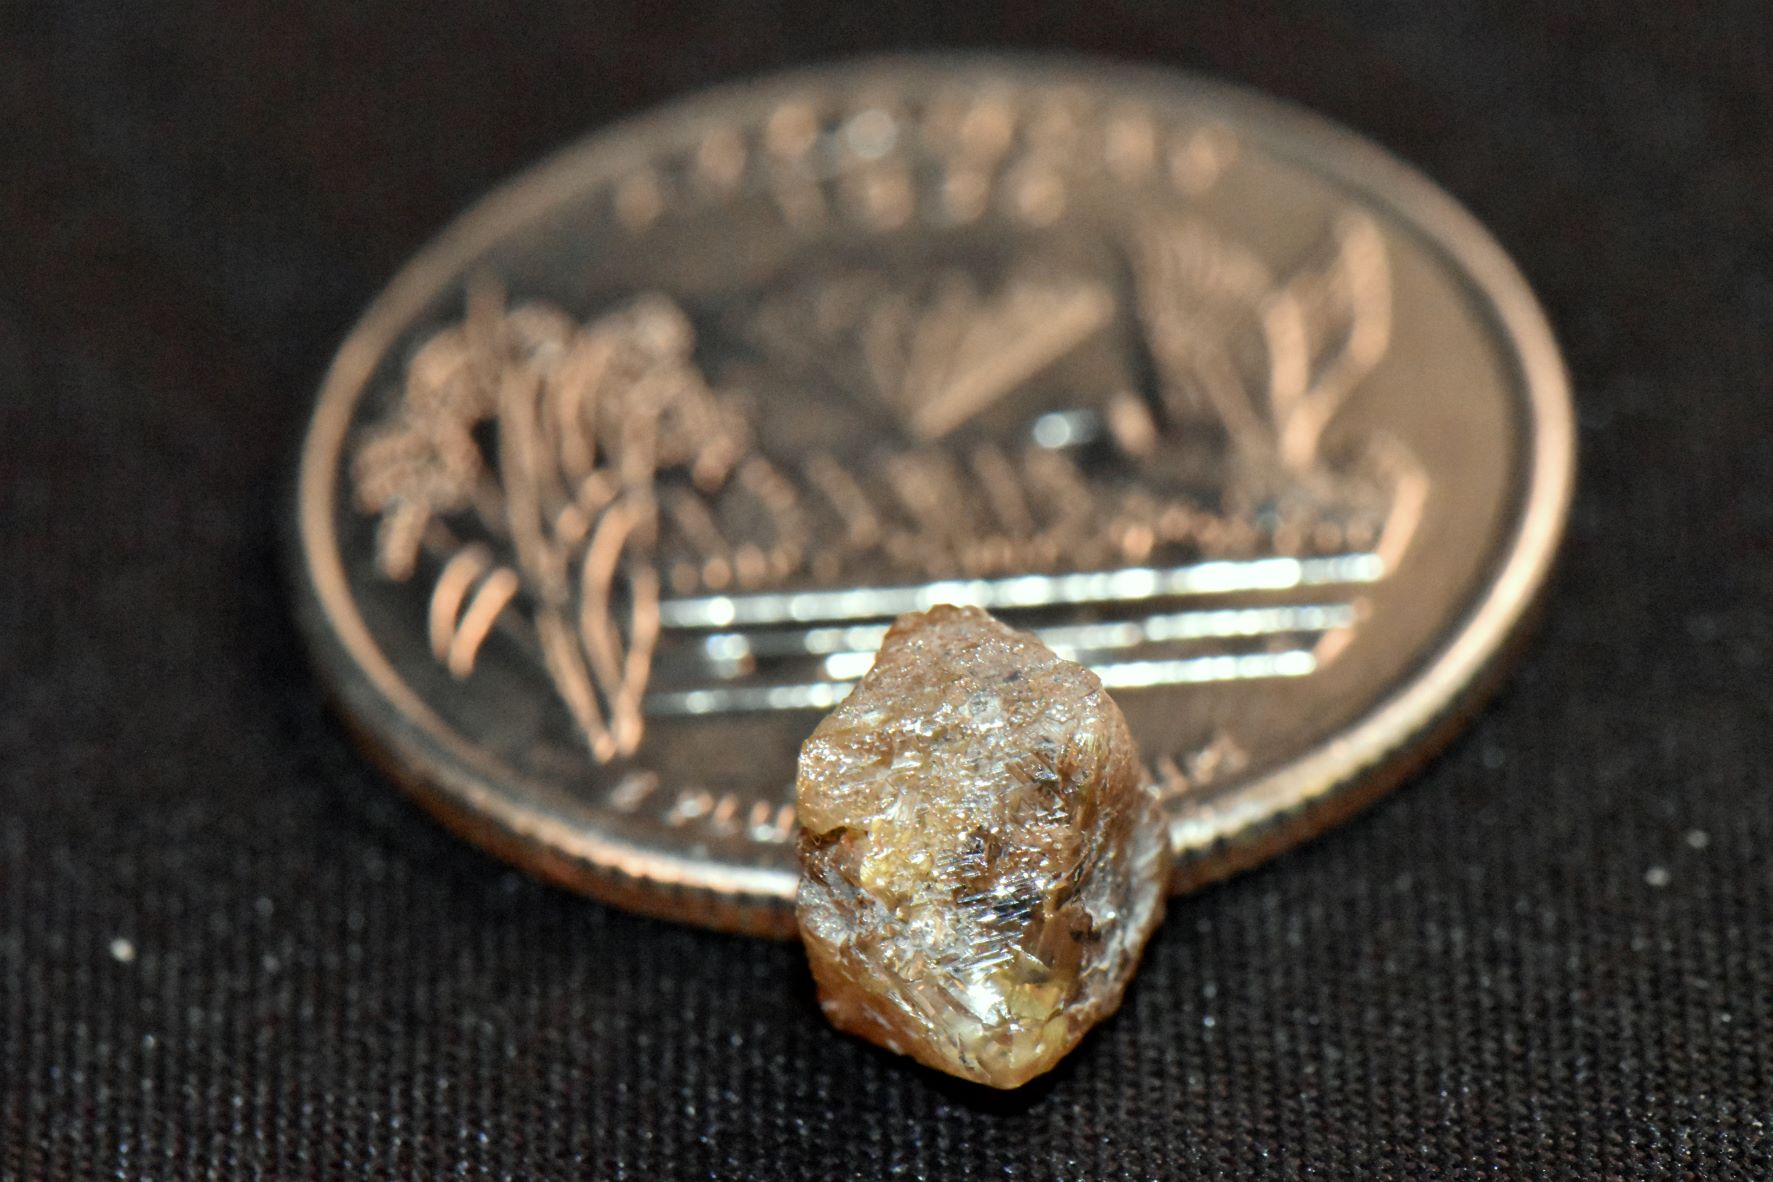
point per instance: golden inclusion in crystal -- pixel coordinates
(983, 856)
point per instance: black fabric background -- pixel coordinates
(1550, 956)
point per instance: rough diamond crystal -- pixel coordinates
(983, 855)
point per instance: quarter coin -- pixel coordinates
(616, 487)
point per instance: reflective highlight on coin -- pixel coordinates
(618, 485)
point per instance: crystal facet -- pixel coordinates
(983, 854)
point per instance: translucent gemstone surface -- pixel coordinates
(983, 855)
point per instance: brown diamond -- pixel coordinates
(983, 855)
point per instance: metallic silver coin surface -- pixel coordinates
(616, 487)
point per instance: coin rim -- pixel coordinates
(1404, 727)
